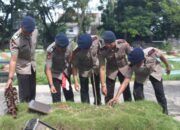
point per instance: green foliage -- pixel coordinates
(170, 13)
(164, 46)
(142, 19)
(167, 46)
(74, 116)
(40, 73)
(82, 14)
(49, 21)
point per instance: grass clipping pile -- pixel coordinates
(142, 115)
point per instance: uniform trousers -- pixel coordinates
(84, 83)
(110, 84)
(27, 86)
(68, 94)
(159, 92)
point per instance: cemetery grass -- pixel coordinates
(142, 115)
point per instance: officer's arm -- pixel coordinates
(102, 79)
(128, 47)
(102, 75)
(164, 60)
(12, 66)
(49, 75)
(74, 71)
(48, 68)
(102, 63)
(76, 84)
(156, 52)
(75, 63)
(122, 87)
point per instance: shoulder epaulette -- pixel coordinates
(51, 47)
(75, 52)
(16, 36)
(101, 44)
(151, 52)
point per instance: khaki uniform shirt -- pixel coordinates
(24, 47)
(115, 59)
(57, 60)
(86, 60)
(150, 67)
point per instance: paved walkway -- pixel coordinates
(172, 91)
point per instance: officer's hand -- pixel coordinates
(168, 70)
(53, 89)
(113, 101)
(104, 90)
(76, 85)
(9, 83)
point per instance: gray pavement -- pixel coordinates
(171, 88)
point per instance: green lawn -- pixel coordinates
(75, 116)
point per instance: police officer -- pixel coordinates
(113, 56)
(145, 66)
(58, 64)
(85, 61)
(22, 47)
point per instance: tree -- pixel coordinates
(108, 17)
(42, 10)
(49, 19)
(45, 12)
(82, 14)
(169, 22)
(7, 20)
(142, 19)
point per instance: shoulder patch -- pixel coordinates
(51, 47)
(50, 50)
(15, 36)
(151, 52)
(76, 51)
(49, 55)
(13, 43)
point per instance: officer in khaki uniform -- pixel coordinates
(113, 56)
(145, 66)
(85, 61)
(58, 64)
(22, 46)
